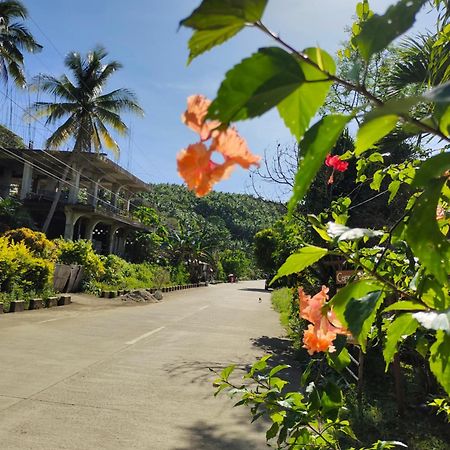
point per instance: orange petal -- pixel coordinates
(195, 116)
(192, 163)
(197, 169)
(234, 148)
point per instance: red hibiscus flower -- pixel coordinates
(336, 163)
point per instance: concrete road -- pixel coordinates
(104, 374)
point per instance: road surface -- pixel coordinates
(104, 374)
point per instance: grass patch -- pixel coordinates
(281, 302)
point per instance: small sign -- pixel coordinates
(342, 276)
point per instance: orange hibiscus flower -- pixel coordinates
(195, 165)
(195, 116)
(234, 148)
(319, 338)
(324, 327)
(197, 169)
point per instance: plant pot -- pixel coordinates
(37, 303)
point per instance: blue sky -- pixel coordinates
(143, 36)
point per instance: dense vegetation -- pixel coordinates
(376, 352)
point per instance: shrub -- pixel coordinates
(20, 269)
(36, 241)
(179, 274)
(81, 252)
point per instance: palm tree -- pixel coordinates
(85, 111)
(14, 38)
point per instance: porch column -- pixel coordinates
(112, 238)
(115, 194)
(70, 223)
(27, 178)
(94, 198)
(90, 229)
(74, 187)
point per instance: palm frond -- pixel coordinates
(53, 111)
(110, 143)
(120, 100)
(12, 9)
(62, 134)
(111, 119)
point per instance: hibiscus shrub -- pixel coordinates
(398, 299)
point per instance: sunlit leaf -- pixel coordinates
(440, 359)
(398, 330)
(356, 305)
(405, 305)
(439, 94)
(316, 144)
(256, 84)
(299, 108)
(423, 233)
(372, 131)
(380, 30)
(216, 21)
(300, 261)
(393, 188)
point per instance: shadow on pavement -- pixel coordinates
(283, 353)
(253, 290)
(210, 437)
(199, 371)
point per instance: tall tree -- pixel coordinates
(14, 39)
(86, 111)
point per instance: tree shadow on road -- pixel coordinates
(283, 354)
(210, 437)
(254, 290)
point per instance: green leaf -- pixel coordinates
(356, 304)
(227, 372)
(433, 294)
(331, 400)
(394, 106)
(339, 361)
(405, 305)
(440, 359)
(398, 330)
(360, 315)
(379, 31)
(256, 84)
(300, 261)
(272, 431)
(299, 108)
(378, 178)
(431, 169)
(444, 120)
(423, 233)
(216, 21)
(317, 143)
(440, 94)
(277, 369)
(393, 188)
(372, 131)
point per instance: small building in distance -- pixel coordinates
(95, 201)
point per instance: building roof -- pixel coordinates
(92, 166)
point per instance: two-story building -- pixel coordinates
(96, 200)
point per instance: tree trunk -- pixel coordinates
(57, 196)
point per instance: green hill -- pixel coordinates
(230, 217)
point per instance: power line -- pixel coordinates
(51, 175)
(69, 93)
(64, 163)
